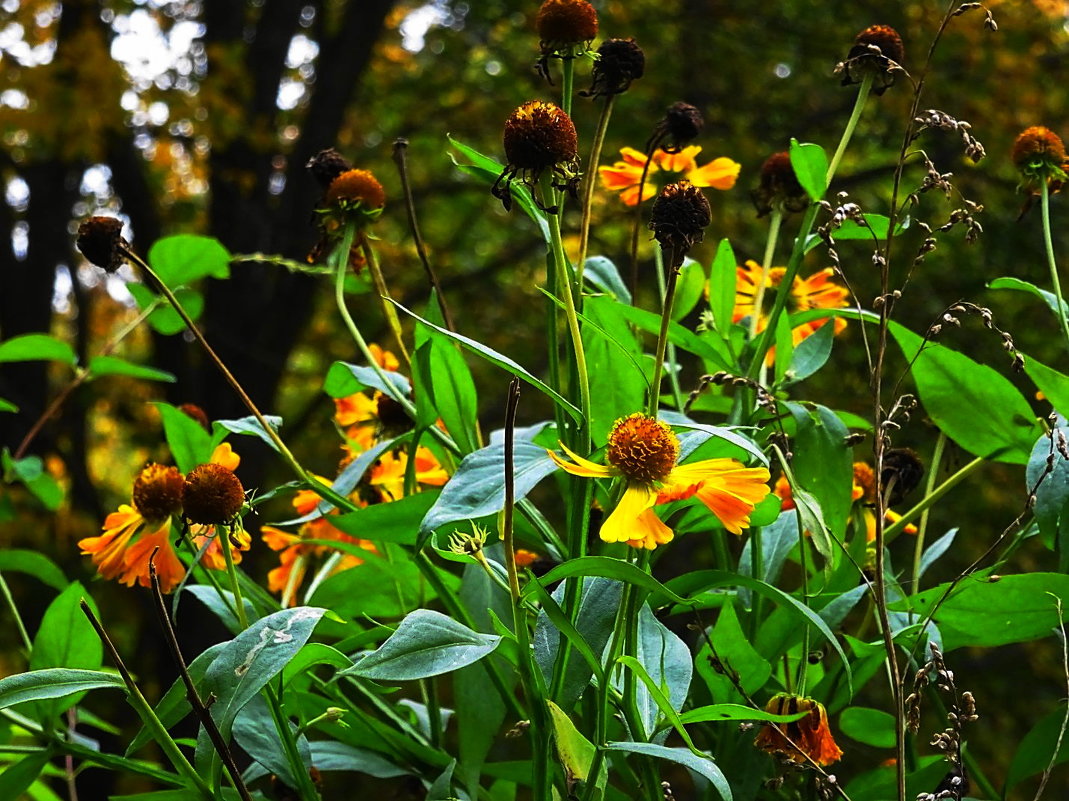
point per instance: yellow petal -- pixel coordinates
(623, 524)
(728, 488)
(581, 467)
(224, 455)
(719, 173)
(655, 532)
(683, 161)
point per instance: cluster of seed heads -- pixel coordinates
(933, 118)
(951, 317)
(899, 413)
(989, 18)
(839, 215)
(764, 398)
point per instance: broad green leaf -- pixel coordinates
(823, 464)
(811, 354)
(8, 406)
(668, 663)
(705, 767)
(164, 318)
(617, 383)
(381, 587)
(659, 698)
(734, 653)
(489, 170)
(1034, 752)
(426, 643)
(477, 489)
(678, 335)
(34, 564)
(65, 639)
(313, 655)
(720, 712)
(344, 379)
(606, 567)
(869, 726)
(784, 353)
(722, 287)
(249, 426)
(17, 777)
(41, 685)
(810, 164)
(935, 550)
(706, 432)
(37, 347)
(1048, 298)
(1051, 490)
(1053, 385)
(576, 752)
(504, 362)
(441, 789)
(876, 230)
(190, 444)
(113, 365)
(604, 275)
(255, 732)
(690, 286)
(185, 258)
(445, 381)
(561, 622)
(987, 613)
(30, 470)
(397, 521)
(971, 403)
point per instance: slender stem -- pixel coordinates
(855, 115)
(400, 148)
(145, 712)
(637, 224)
(766, 267)
(195, 701)
(662, 336)
(588, 186)
(673, 374)
(1051, 263)
(10, 601)
(388, 311)
(918, 546)
(510, 499)
(567, 83)
(232, 573)
(892, 531)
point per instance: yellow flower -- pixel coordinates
(624, 176)
(643, 452)
(387, 475)
(818, 291)
(802, 740)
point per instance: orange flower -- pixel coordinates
(387, 476)
(803, 740)
(818, 291)
(643, 452)
(624, 176)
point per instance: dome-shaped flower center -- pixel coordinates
(212, 495)
(643, 449)
(357, 185)
(157, 492)
(1038, 149)
(566, 22)
(539, 135)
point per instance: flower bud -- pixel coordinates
(100, 241)
(157, 492)
(779, 187)
(679, 218)
(213, 495)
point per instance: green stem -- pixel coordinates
(662, 336)
(567, 83)
(306, 789)
(918, 546)
(588, 186)
(673, 374)
(388, 311)
(855, 115)
(1051, 263)
(766, 266)
(232, 573)
(9, 599)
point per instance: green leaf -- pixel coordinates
(784, 353)
(255, 732)
(690, 286)
(185, 258)
(190, 444)
(678, 335)
(30, 470)
(504, 362)
(734, 653)
(604, 275)
(489, 170)
(823, 464)
(17, 777)
(722, 287)
(41, 685)
(7, 406)
(811, 354)
(65, 639)
(576, 752)
(987, 613)
(667, 661)
(426, 643)
(445, 381)
(34, 564)
(810, 164)
(1048, 298)
(971, 403)
(164, 319)
(721, 712)
(477, 489)
(397, 521)
(606, 567)
(869, 726)
(313, 655)
(344, 379)
(1035, 751)
(113, 365)
(562, 623)
(37, 347)
(1052, 493)
(876, 230)
(702, 765)
(248, 426)
(441, 789)
(386, 587)
(617, 382)
(1053, 385)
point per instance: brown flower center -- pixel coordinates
(157, 492)
(354, 186)
(212, 495)
(561, 22)
(643, 449)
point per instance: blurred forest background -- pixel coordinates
(199, 117)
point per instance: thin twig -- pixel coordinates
(1065, 719)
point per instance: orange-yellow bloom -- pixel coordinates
(643, 452)
(387, 476)
(624, 176)
(802, 740)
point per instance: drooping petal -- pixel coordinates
(635, 158)
(719, 173)
(624, 525)
(728, 488)
(169, 567)
(224, 455)
(580, 466)
(655, 532)
(109, 549)
(683, 161)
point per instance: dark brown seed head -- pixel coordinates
(620, 61)
(565, 22)
(539, 136)
(326, 165)
(679, 218)
(876, 51)
(391, 414)
(904, 467)
(157, 492)
(100, 241)
(213, 495)
(779, 187)
(197, 413)
(354, 187)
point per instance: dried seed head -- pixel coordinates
(679, 218)
(877, 52)
(566, 22)
(326, 165)
(213, 495)
(354, 188)
(642, 448)
(157, 492)
(539, 136)
(391, 414)
(1039, 155)
(100, 241)
(197, 413)
(779, 187)
(620, 61)
(904, 467)
(681, 124)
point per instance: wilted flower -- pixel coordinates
(326, 165)
(100, 241)
(679, 218)
(902, 472)
(877, 52)
(565, 30)
(681, 124)
(779, 187)
(620, 61)
(538, 136)
(624, 176)
(643, 452)
(802, 740)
